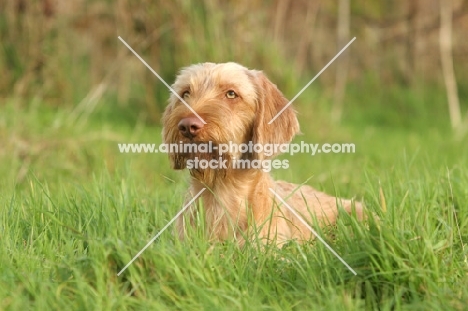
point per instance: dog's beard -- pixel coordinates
(200, 163)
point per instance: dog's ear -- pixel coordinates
(270, 101)
(169, 136)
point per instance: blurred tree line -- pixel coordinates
(66, 53)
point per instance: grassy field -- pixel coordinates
(74, 211)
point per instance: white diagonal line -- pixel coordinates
(310, 82)
(161, 79)
(162, 230)
(313, 231)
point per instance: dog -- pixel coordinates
(230, 104)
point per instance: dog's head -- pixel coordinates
(229, 104)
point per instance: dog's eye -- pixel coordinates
(231, 94)
(186, 95)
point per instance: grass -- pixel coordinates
(74, 211)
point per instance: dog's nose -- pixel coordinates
(190, 127)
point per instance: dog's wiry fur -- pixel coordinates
(238, 200)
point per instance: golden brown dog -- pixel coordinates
(236, 105)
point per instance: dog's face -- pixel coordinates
(236, 105)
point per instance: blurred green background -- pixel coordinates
(62, 53)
